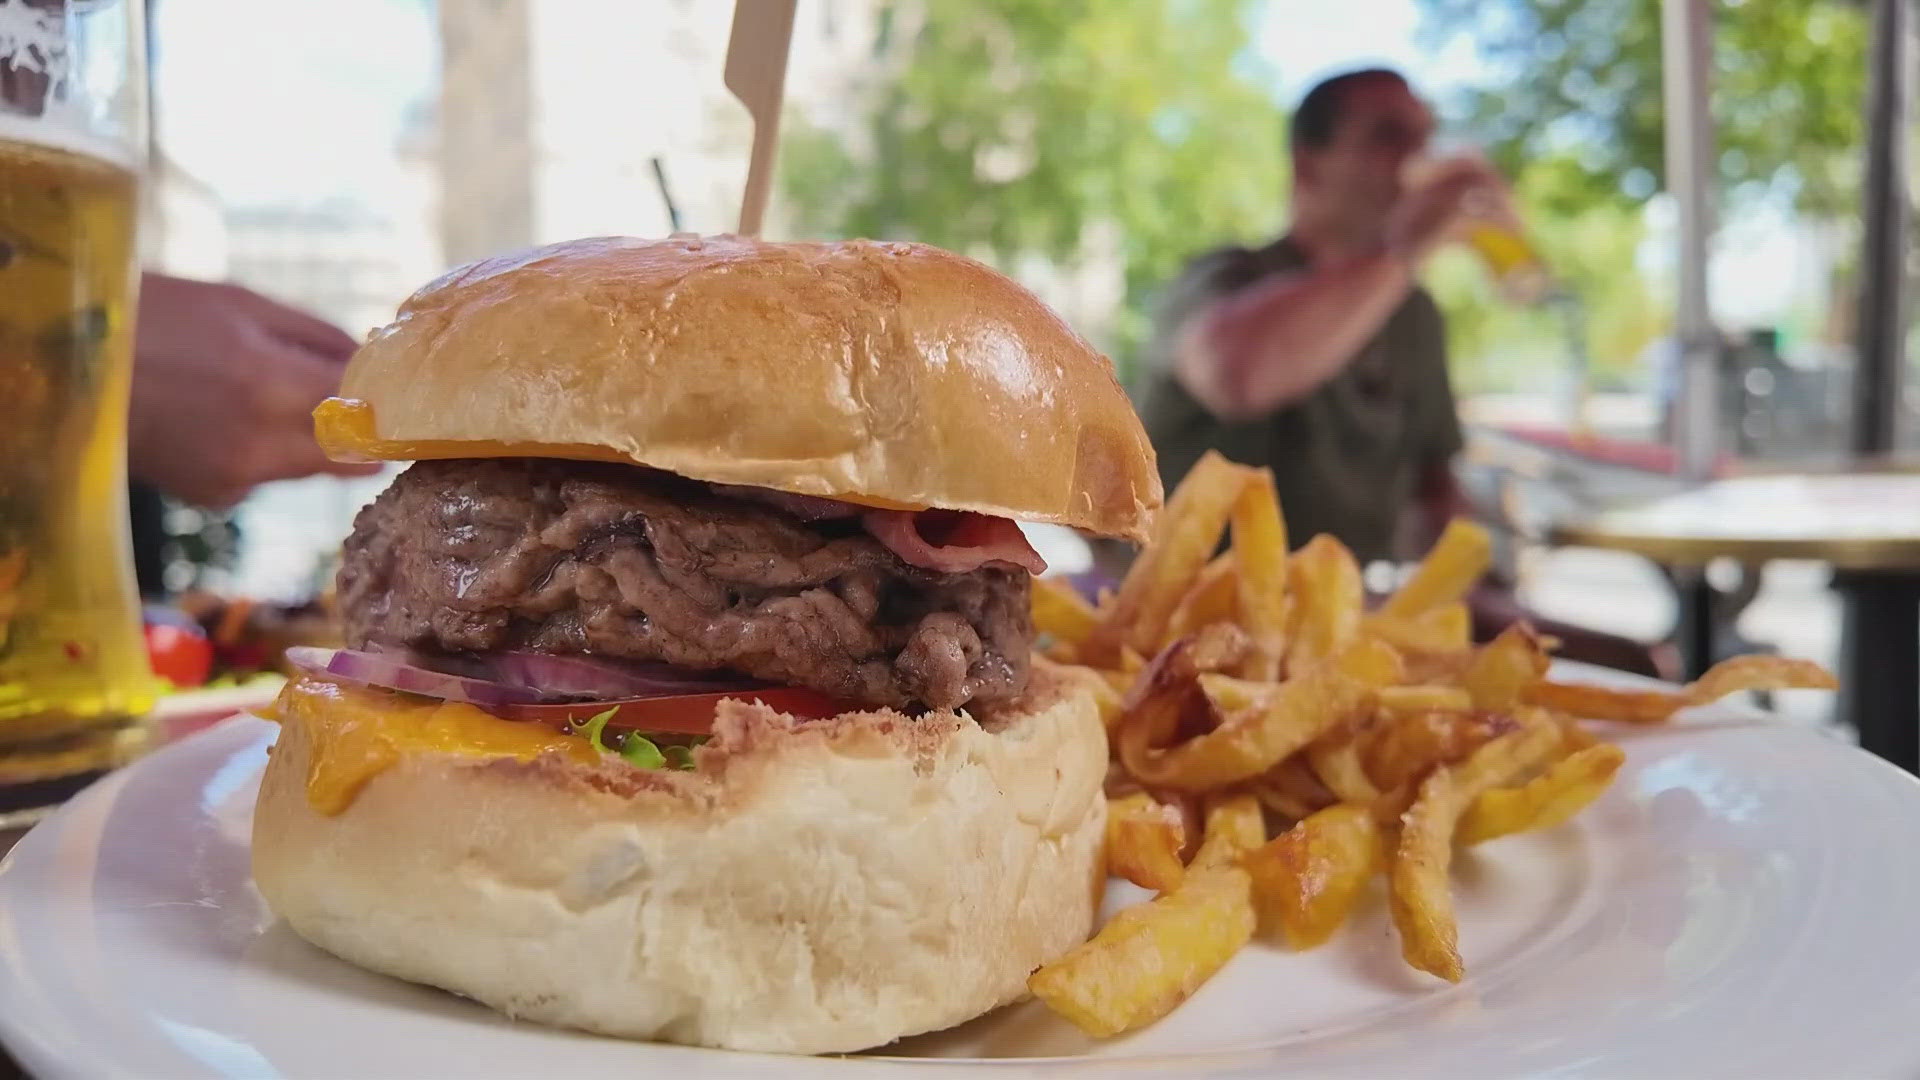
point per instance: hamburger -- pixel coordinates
(688, 690)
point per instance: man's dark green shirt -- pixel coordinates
(1348, 457)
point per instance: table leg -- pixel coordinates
(1879, 658)
(1693, 633)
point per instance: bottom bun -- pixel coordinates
(811, 887)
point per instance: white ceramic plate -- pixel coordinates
(1744, 902)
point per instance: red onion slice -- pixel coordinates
(371, 669)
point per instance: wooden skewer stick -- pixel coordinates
(757, 75)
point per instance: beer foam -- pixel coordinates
(45, 133)
(34, 39)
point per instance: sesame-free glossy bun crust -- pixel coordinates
(890, 374)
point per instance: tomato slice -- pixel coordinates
(681, 714)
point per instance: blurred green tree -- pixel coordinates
(1012, 129)
(1579, 82)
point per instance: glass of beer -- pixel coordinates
(73, 669)
(1492, 229)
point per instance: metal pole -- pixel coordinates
(1879, 634)
(1877, 369)
(1686, 39)
(1687, 48)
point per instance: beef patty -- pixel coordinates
(618, 561)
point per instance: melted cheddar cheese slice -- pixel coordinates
(356, 733)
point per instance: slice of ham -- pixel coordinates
(952, 541)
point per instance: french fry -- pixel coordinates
(1447, 628)
(1144, 838)
(1189, 529)
(1151, 714)
(1229, 694)
(1060, 612)
(1386, 738)
(1402, 749)
(1250, 741)
(1106, 698)
(1574, 737)
(1152, 956)
(1418, 891)
(1408, 700)
(1528, 739)
(1657, 706)
(1550, 799)
(1336, 761)
(1220, 647)
(1234, 827)
(1500, 674)
(1453, 566)
(1213, 598)
(1122, 678)
(1291, 790)
(1451, 625)
(1260, 554)
(1372, 661)
(1607, 702)
(1307, 880)
(1425, 668)
(1758, 673)
(1119, 682)
(1119, 782)
(1324, 581)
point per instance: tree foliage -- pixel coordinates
(1580, 80)
(1022, 128)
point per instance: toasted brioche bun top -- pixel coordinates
(890, 374)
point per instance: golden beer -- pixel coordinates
(1516, 268)
(73, 668)
(1492, 228)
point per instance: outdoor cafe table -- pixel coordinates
(1865, 525)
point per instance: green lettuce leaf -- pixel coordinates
(634, 748)
(594, 729)
(640, 750)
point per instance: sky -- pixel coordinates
(271, 101)
(1304, 40)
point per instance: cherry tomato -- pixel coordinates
(182, 656)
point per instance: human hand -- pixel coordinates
(1432, 210)
(224, 385)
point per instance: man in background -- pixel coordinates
(224, 385)
(1320, 357)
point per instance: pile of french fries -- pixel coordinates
(1275, 744)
